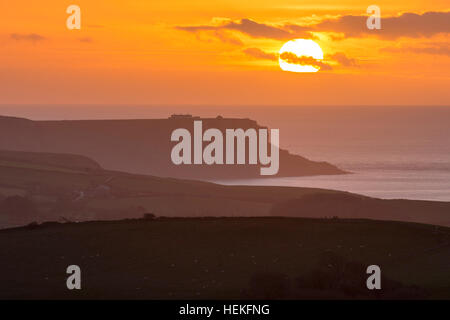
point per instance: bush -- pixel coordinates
(32, 225)
(149, 216)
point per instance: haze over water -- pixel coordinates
(393, 152)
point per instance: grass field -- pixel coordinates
(211, 258)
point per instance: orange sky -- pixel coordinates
(219, 52)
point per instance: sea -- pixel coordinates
(390, 152)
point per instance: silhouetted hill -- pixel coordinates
(140, 146)
(225, 258)
(80, 194)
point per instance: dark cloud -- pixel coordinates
(33, 37)
(253, 29)
(343, 60)
(260, 54)
(435, 49)
(406, 25)
(292, 58)
(338, 58)
(258, 30)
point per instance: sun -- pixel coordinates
(300, 55)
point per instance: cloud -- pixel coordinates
(33, 37)
(226, 37)
(299, 31)
(289, 57)
(253, 29)
(406, 25)
(258, 30)
(434, 49)
(86, 40)
(339, 58)
(343, 60)
(292, 58)
(260, 54)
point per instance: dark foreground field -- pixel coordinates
(233, 258)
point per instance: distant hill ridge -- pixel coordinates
(141, 146)
(58, 160)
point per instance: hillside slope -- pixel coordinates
(226, 258)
